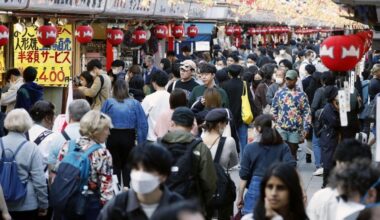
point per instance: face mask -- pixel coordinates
(256, 135)
(279, 80)
(256, 82)
(250, 64)
(93, 74)
(143, 182)
(115, 71)
(218, 67)
(145, 66)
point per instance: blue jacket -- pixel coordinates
(28, 94)
(127, 115)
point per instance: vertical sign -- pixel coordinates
(53, 64)
(377, 158)
(2, 63)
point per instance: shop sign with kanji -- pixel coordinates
(53, 63)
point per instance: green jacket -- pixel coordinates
(207, 175)
(199, 90)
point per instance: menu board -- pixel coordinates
(130, 7)
(72, 6)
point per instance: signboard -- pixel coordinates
(164, 8)
(130, 7)
(53, 64)
(13, 4)
(72, 6)
(202, 46)
(198, 11)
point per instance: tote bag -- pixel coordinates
(246, 113)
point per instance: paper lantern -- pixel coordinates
(237, 30)
(84, 34)
(47, 35)
(341, 53)
(115, 36)
(270, 30)
(178, 31)
(366, 38)
(4, 35)
(192, 31)
(251, 31)
(161, 31)
(139, 37)
(229, 30)
(264, 30)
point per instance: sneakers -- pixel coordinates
(318, 172)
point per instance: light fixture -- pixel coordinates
(62, 21)
(39, 22)
(20, 27)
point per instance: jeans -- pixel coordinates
(252, 195)
(316, 150)
(243, 137)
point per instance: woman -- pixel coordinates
(330, 132)
(30, 168)
(281, 195)
(151, 165)
(216, 122)
(129, 123)
(257, 157)
(135, 82)
(260, 93)
(211, 99)
(86, 79)
(94, 128)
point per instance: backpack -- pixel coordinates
(369, 112)
(183, 179)
(318, 124)
(225, 193)
(71, 177)
(13, 188)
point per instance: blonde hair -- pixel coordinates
(18, 120)
(93, 122)
(375, 68)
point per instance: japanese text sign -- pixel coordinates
(53, 64)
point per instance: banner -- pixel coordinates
(2, 63)
(53, 64)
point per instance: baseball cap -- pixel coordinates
(291, 74)
(188, 65)
(183, 116)
(216, 115)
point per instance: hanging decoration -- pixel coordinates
(139, 36)
(84, 34)
(229, 30)
(178, 31)
(237, 30)
(251, 31)
(4, 35)
(115, 36)
(161, 31)
(47, 35)
(192, 31)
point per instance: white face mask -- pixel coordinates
(218, 67)
(115, 71)
(256, 135)
(93, 74)
(250, 64)
(279, 80)
(143, 182)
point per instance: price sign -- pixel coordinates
(53, 64)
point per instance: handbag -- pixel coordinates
(246, 113)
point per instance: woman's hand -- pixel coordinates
(6, 216)
(269, 212)
(240, 202)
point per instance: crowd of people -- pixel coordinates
(160, 141)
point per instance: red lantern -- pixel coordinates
(251, 31)
(341, 53)
(161, 31)
(238, 41)
(271, 30)
(4, 35)
(139, 36)
(47, 35)
(238, 30)
(366, 38)
(229, 30)
(264, 30)
(192, 31)
(84, 34)
(115, 36)
(178, 31)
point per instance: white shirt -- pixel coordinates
(149, 209)
(323, 205)
(153, 105)
(9, 98)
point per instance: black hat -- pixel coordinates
(216, 115)
(183, 116)
(331, 92)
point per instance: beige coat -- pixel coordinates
(93, 91)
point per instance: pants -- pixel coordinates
(120, 143)
(316, 150)
(243, 137)
(22, 215)
(252, 195)
(92, 210)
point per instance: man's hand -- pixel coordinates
(42, 212)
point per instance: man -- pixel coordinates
(171, 57)
(374, 84)
(186, 54)
(118, 69)
(309, 58)
(220, 63)
(207, 72)
(182, 123)
(101, 87)
(150, 68)
(232, 59)
(323, 204)
(251, 60)
(277, 85)
(291, 112)
(243, 52)
(187, 82)
(309, 71)
(8, 98)
(156, 103)
(30, 92)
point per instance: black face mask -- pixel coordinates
(145, 66)
(256, 82)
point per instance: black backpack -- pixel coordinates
(225, 193)
(183, 178)
(318, 124)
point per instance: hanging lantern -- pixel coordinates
(178, 31)
(4, 35)
(229, 30)
(47, 35)
(264, 30)
(270, 30)
(341, 53)
(238, 30)
(161, 31)
(365, 37)
(251, 31)
(115, 36)
(84, 34)
(192, 31)
(238, 41)
(139, 36)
